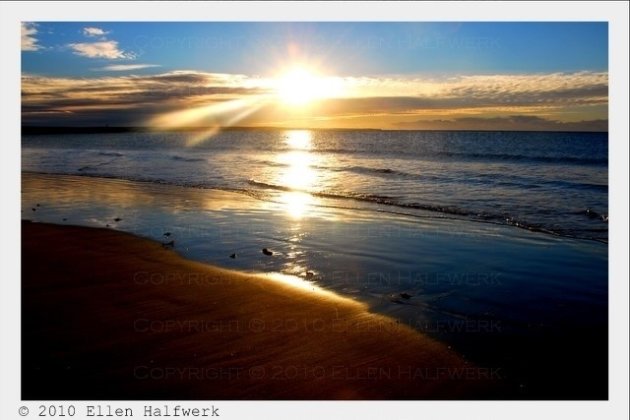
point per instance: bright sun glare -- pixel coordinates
(301, 86)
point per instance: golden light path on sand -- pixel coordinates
(301, 284)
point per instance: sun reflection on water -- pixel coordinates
(299, 176)
(298, 139)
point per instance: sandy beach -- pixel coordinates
(110, 315)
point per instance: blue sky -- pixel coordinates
(346, 48)
(387, 75)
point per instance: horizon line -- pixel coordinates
(59, 129)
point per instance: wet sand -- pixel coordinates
(109, 315)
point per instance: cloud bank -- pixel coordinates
(555, 101)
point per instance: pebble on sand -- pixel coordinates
(266, 251)
(233, 256)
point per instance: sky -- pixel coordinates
(469, 76)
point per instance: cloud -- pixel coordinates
(510, 102)
(101, 49)
(129, 99)
(126, 67)
(92, 32)
(512, 122)
(482, 90)
(166, 90)
(29, 42)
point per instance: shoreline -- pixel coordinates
(109, 315)
(362, 205)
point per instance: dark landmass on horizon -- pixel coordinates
(138, 129)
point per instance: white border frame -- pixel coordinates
(616, 13)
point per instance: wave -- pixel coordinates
(366, 170)
(506, 180)
(187, 159)
(94, 166)
(501, 157)
(371, 198)
(115, 154)
(494, 218)
(528, 158)
(356, 168)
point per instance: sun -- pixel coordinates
(297, 86)
(300, 86)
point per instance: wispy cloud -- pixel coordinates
(100, 49)
(91, 31)
(29, 42)
(103, 48)
(126, 67)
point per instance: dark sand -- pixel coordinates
(108, 315)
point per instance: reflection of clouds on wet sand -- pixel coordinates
(69, 190)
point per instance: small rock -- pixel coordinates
(405, 295)
(309, 274)
(233, 256)
(64, 219)
(266, 251)
(34, 209)
(118, 219)
(167, 234)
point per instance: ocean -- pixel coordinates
(493, 242)
(556, 183)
